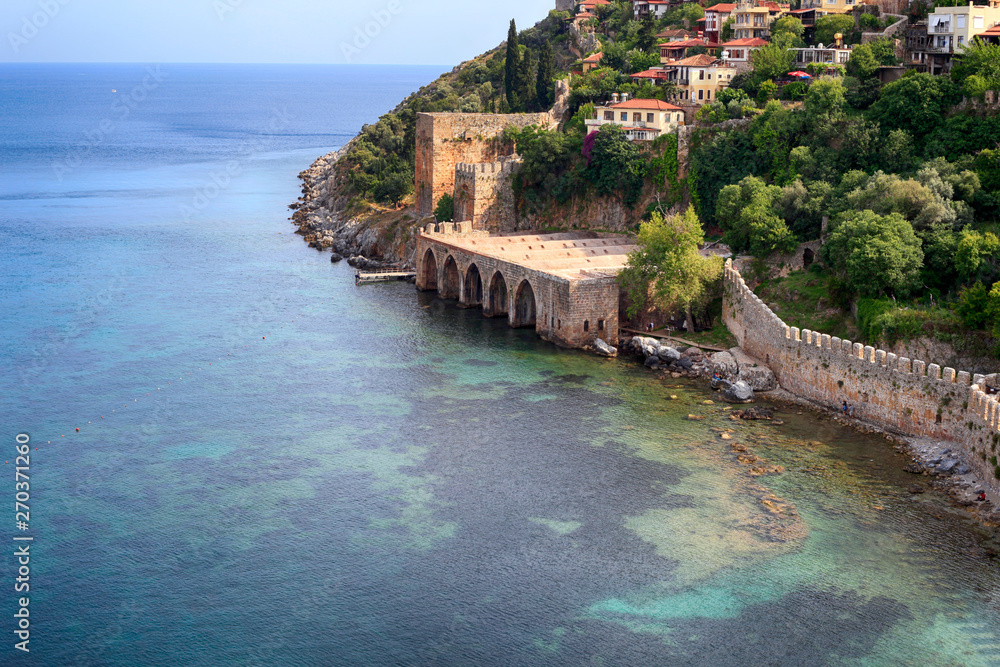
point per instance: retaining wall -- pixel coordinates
(908, 396)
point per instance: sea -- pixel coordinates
(237, 457)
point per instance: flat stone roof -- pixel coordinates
(569, 255)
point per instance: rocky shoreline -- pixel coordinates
(319, 216)
(934, 464)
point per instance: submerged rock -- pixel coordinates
(738, 393)
(336, 257)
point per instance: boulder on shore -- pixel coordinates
(739, 392)
(668, 354)
(603, 349)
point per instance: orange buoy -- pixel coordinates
(77, 430)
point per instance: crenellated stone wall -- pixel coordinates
(907, 395)
(483, 194)
(446, 139)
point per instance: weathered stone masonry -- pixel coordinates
(446, 139)
(910, 396)
(483, 194)
(543, 290)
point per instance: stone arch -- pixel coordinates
(808, 257)
(525, 310)
(451, 279)
(428, 278)
(473, 295)
(497, 303)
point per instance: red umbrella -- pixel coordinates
(800, 74)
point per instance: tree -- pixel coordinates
(875, 254)
(445, 209)
(772, 60)
(746, 211)
(614, 57)
(788, 24)
(973, 306)
(640, 61)
(726, 34)
(916, 103)
(526, 92)
(828, 26)
(981, 59)
(615, 164)
(825, 98)
(976, 254)
(645, 40)
(867, 58)
(667, 267)
(544, 86)
(511, 67)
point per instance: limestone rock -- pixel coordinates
(754, 373)
(913, 468)
(738, 393)
(668, 353)
(724, 365)
(604, 350)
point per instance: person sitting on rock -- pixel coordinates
(982, 497)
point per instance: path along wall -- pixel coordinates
(908, 396)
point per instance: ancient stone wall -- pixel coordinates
(569, 313)
(446, 139)
(909, 396)
(483, 194)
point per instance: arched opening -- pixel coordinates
(450, 280)
(524, 306)
(429, 271)
(498, 296)
(808, 257)
(473, 287)
(586, 326)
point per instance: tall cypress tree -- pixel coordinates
(512, 67)
(526, 81)
(544, 89)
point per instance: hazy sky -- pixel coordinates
(431, 32)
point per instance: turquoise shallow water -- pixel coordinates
(292, 470)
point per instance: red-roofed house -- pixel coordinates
(675, 35)
(657, 8)
(671, 51)
(700, 78)
(716, 17)
(642, 120)
(592, 62)
(737, 51)
(655, 76)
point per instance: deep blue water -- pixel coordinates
(276, 467)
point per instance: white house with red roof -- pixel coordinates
(642, 120)
(657, 8)
(737, 51)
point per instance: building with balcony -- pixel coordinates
(949, 30)
(642, 120)
(700, 78)
(752, 20)
(642, 8)
(737, 51)
(832, 6)
(716, 17)
(830, 55)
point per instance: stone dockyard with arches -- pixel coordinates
(563, 285)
